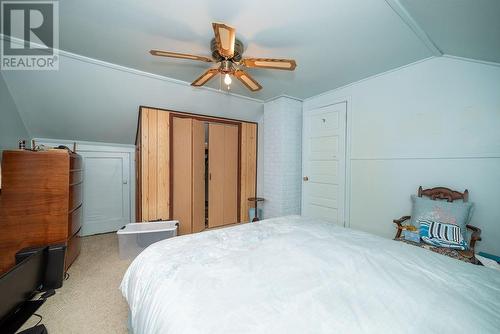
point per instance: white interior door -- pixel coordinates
(323, 164)
(106, 191)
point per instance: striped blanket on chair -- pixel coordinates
(442, 235)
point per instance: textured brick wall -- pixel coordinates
(282, 157)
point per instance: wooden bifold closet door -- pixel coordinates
(223, 174)
(181, 173)
(188, 174)
(198, 176)
(171, 169)
(152, 164)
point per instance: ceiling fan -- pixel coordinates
(227, 52)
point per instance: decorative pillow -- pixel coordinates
(442, 235)
(454, 213)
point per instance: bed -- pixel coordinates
(299, 275)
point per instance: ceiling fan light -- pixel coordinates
(227, 79)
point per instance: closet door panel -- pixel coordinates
(163, 201)
(216, 145)
(251, 179)
(248, 167)
(198, 184)
(181, 173)
(243, 175)
(153, 165)
(144, 164)
(138, 176)
(230, 207)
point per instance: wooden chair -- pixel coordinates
(442, 193)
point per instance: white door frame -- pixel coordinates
(347, 188)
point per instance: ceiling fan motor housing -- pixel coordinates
(238, 51)
(226, 66)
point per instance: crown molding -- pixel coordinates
(285, 96)
(472, 60)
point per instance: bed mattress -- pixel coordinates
(298, 275)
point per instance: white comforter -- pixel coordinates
(295, 275)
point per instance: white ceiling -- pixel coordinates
(335, 42)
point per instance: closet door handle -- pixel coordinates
(209, 176)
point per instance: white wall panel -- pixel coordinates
(381, 188)
(282, 157)
(433, 123)
(108, 184)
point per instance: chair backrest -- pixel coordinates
(443, 193)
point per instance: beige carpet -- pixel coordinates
(89, 301)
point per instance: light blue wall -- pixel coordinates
(434, 123)
(11, 126)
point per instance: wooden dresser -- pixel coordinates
(40, 202)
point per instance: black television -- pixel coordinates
(17, 287)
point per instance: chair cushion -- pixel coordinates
(454, 213)
(442, 235)
(466, 256)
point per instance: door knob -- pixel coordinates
(305, 178)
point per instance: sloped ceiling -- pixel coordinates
(464, 28)
(92, 102)
(12, 128)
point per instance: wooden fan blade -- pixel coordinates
(179, 55)
(205, 77)
(247, 80)
(224, 38)
(277, 64)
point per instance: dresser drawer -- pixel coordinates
(75, 196)
(75, 177)
(73, 249)
(75, 220)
